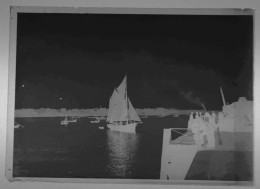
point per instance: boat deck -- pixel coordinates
(185, 139)
(224, 141)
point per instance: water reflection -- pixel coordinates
(122, 149)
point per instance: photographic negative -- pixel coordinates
(131, 95)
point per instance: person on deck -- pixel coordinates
(190, 122)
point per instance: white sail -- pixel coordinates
(121, 89)
(132, 114)
(116, 107)
(111, 103)
(120, 107)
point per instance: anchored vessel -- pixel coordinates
(121, 113)
(97, 120)
(18, 126)
(213, 147)
(67, 120)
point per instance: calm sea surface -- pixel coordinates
(45, 148)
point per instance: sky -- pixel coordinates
(171, 61)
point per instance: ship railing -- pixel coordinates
(185, 138)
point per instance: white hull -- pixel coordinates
(17, 126)
(95, 121)
(66, 122)
(129, 128)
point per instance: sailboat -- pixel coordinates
(121, 113)
(97, 120)
(66, 121)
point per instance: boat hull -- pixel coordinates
(64, 123)
(128, 128)
(95, 121)
(17, 126)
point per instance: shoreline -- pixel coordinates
(48, 112)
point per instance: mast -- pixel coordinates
(126, 100)
(223, 98)
(203, 107)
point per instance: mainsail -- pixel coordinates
(120, 107)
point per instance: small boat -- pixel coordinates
(176, 115)
(73, 120)
(97, 120)
(66, 121)
(103, 118)
(101, 127)
(121, 113)
(18, 126)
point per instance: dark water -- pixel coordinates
(44, 148)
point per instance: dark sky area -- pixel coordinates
(171, 61)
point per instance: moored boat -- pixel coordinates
(17, 125)
(67, 120)
(97, 120)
